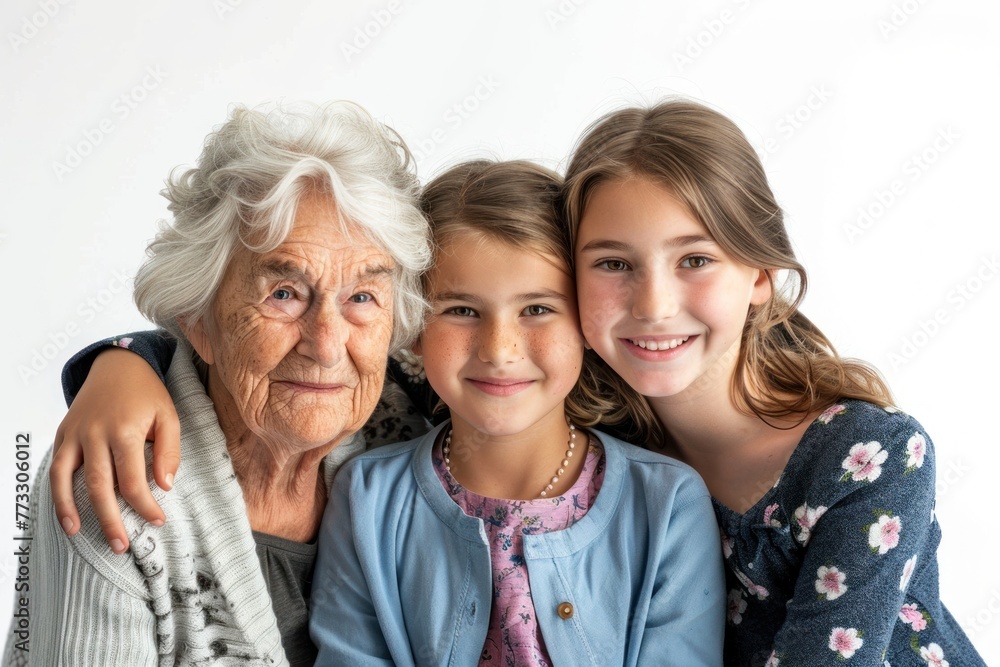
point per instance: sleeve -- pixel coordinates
(862, 550)
(686, 619)
(156, 347)
(66, 612)
(343, 621)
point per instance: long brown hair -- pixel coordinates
(787, 366)
(518, 203)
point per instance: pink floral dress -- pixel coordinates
(513, 637)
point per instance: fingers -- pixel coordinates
(166, 449)
(129, 458)
(67, 458)
(101, 490)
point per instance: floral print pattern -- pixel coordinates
(806, 517)
(908, 567)
(830, 583)
(845, 641)
(864, 462)
(933, 655)
(513, 637)
(411, 364)
(830, 413)
(737, 605)
(913, 617)
(837, 563)
(884, 534)
(916, 447)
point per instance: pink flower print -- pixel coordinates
(727, 545)
(768, 512)
(864, 462)
(916, 447)
(933, 655)
(845, 641)
(737, 605)
(759, 591)
(123, 342)
(911, 615)
(908, 567)
(830, 582)
(806, 517)
(831, 412)
(772, 661)
(884, 535)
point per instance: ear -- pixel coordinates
(417, 348)
(762, 286)
(199, 339)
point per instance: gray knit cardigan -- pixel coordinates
(189, 593)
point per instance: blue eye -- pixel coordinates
(461, 311)
(282, 294)
(362, 297)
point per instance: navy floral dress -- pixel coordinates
(837, 563)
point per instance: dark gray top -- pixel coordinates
(288, 569)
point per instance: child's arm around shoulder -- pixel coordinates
(117, 401)
(686, 617)
(875, 530)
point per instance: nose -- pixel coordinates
(323, 334)
(498, 343)
(654, 297)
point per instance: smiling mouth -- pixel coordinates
(500, 387)
(656, 345)
(312, 386)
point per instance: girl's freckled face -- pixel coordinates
(502, 346)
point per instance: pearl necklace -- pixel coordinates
(571, 444)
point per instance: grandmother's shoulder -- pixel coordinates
(89, 543)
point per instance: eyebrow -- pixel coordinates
(472, 298)
(283, 268)
(677, 242)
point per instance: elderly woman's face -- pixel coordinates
(299, 335)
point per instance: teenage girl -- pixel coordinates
(823, 491)
(509, 534)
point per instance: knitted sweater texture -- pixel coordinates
(188, 593)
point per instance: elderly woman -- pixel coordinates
(288, 273)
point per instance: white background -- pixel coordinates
(840, 98)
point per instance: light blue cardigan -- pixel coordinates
(403, 574)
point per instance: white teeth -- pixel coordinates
(658, 344)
